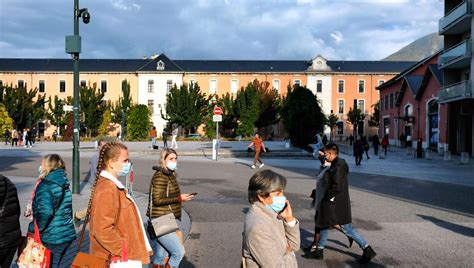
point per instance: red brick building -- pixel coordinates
(409, 106)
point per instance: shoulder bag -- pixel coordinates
(164, 224)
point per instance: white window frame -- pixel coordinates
(343, 86)
(102, 83)
(211, 89)
(151, 86)
(297, 83)
(363, 105)
(234, 86)
(319, 82)
(65, 86)
(338, 106)
(152, 110)
(342, 128)
(363, 86)
(169, 85)
(276, 85)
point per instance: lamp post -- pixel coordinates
(73, 47)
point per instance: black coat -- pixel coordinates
(339, 210)
(10, 232)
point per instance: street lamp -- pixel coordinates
(73, 47)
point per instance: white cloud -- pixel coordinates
(338, 37)
(124, 5)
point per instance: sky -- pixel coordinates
(218, 29)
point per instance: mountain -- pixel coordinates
(418, 49)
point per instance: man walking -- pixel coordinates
(358, 151)
(164, 135)
(258, 145)
(7, 136)
(336, 206)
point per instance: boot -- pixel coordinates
(318, 254)
(368, 255)
(351, 241)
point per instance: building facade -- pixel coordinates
(456, 61)
(335, 83)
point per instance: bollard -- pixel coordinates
(447, 155)
(96, 145)
(381, 155)
(287, 145)
(464, 157)
(429, 154)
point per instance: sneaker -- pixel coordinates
(310, 248)
(261, 165)
(368, 255)
(253, 167)
(318, 254)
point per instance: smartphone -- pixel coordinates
(193, 193)
(283, 208)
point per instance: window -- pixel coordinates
(340, 86)
(1, 83)
(319, 86)
(62, 86)
(408, 110)
(386, 102)
(234, 85)
(297, 82)
(83, 83)
(192, 82)
(21, 84)
(340, 106)
(124, 85)
(381, 104)
(391, 100)
(103, 86)
(169, 86)
(381, 82)
(396, 96)
(340, 128)
(41, 86)
(150, 106)
(276, 85)
(213, 86)
(151, 86)
(361, 105)
(361, 86)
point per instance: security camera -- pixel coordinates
(86, 17)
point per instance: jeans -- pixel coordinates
(348, 231)
(62, 255)
(153, 142)
(168, 245)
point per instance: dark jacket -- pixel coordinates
(358, 147)
(9, 214)
(52, 209)
(164, 203)
(339, 210)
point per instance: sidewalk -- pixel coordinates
(25, 185)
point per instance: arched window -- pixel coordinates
(433, 118)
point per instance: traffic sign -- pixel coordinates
(217, 118)
(217, 111)
(67, 108)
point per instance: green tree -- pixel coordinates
(302, 116)
(332, 123)
(5, 120)
(269, 104)
(123, 104)
(247, 110)
(355, 117)
(229, 121)
(104, 126)
(374, 119)
(139, 122)
(22, 105)
(56, 114)
(92, 108)
(186, 106)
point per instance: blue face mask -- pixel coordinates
(278, 203)
(171, 165)
(125, 169)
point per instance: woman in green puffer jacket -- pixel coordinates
(52, 211)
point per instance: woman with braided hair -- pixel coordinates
(114, 215)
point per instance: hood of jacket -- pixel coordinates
(57, 176)
(163, 170)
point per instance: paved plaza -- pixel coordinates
(414, 212)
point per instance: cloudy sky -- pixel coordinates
(218, 29)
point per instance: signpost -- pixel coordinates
(217, 117)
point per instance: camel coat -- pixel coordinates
(115, 216)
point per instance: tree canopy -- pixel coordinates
(92, 107)
(139, 122)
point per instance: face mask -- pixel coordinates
(125, 169)
(278, 203)
(171, 165)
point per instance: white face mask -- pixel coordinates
(172, 165)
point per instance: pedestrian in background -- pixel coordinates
(336, 206)
(258, 145)
(366, 146)
(14, 137)
(20, 137)
(166, 197)
(7, 136)
(114, 215)
(153, 135)
(385, 144)
(52, 211)
(174, 135)
(55, 136)
(10, 232)
(271, 233)
(375, 144)
(358, 151)
(351, 139)
(33, 135)
(164, 135)
(25, 137)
